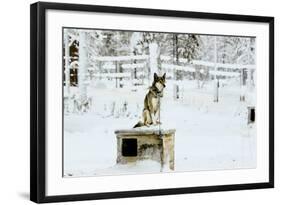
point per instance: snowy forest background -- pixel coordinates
(209, 98)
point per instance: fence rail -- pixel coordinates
(167, 58)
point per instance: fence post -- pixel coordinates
(216, 82)
(117, 83)
(243, 84)
(176, 92)
(217, 85)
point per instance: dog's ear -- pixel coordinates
(155, 76)
(164, 76)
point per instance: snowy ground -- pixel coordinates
(209, 136)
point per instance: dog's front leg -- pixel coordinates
(153, 118)
(147, 118)
(157, 117)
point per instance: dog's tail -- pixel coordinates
(139, 124)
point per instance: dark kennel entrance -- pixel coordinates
(129, 147)
(251, 115)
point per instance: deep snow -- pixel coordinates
(209, 136)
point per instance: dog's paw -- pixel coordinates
(159, 123)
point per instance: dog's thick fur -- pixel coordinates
(152, 102)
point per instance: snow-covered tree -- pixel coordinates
(188, 46)
(149, 43)
(83, 62)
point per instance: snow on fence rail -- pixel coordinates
(134, 65)
(120, 58)
(211, 64)
(224, 73)
(223, 65)
(112, 75)
(178, 67)
(191, 69)
(126, 66)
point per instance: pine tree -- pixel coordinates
(188, 46)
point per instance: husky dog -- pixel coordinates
(151, 108)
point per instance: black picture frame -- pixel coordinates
(38, 101)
